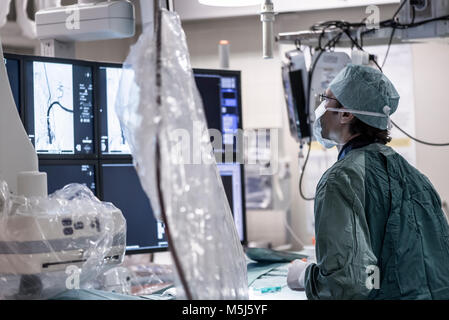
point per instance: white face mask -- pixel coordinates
(317, 128)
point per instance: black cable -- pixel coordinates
(393, 31)
(389, 46)
(302, 173)
(348, 34)
(360, 47)
(375, 62)
(158, 76)
(399, 9)
(390, 23)
(421, 141)
(417, 24)
(312, 70)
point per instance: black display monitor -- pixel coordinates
(62, 173)
(59, 113)
(13, 71)
(220, 91)
(121, 187)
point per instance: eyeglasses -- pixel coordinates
(323, 97)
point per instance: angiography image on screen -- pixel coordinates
(116, 138)
(53, 107)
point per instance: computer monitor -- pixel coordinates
(113, 142)
(221, 95)
(62, 173)
(59, 113)
(13, 71)
(121, 186)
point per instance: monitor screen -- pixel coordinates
(60, 114)
(220, 92)
(121, 186)
(113, 140)
(231, 175)
(13, 70)
(62, 174)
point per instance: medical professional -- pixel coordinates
(380, 230)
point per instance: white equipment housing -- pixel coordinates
(87, 22)
(36, 245)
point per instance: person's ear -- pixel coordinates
(346, 118)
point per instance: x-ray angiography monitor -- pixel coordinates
(60, 114)
(220, 93)
(113, 140)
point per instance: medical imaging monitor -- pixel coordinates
(220, 91)
(59, 113)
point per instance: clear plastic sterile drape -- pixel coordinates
(196, 208)
(49, 245)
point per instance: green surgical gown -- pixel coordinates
(373, 208)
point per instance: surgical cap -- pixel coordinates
(364, 88)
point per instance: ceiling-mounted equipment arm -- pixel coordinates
(431, 18)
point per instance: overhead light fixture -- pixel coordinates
(231, 3)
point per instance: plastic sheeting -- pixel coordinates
(198, 214)
(57, 243)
